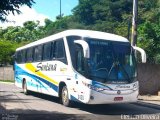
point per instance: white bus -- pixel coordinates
(80, 65)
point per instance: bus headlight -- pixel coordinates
(93, 87)
(96, 88)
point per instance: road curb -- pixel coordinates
(7, 82)
(147, 104)
(149, 98)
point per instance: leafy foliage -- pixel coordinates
(149, 36)
(12, 6)
(7, 50)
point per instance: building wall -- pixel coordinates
(6, 73)
(148, 77)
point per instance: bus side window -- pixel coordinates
(58, 51)
(18, 57)
(23, 56)
(15, 57)
(38, 53)
(29, 56)
(47, 51)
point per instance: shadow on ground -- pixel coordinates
(40, 115)
(108, 109)
(21, 114)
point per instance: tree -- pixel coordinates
(65, 23)
(49, 27)
(91, 11)
(84, 11)
(7, 50)
(149, 36)
(149, 29)
(12, 6)
(30, 31)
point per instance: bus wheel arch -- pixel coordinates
(63, 94)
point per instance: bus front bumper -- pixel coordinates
(101, 98)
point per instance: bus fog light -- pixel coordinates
(92, 98)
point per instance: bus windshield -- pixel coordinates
(111, 61)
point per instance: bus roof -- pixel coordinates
(77, 32)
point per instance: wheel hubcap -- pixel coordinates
(65, 95)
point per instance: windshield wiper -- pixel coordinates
(116, 63)
(125, 73)
(113, 65)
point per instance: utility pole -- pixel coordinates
(134, 23)
(60, 15)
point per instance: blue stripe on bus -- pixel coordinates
(98, 84)
(23, 72)
(74, 99)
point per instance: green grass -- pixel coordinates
(12, 81)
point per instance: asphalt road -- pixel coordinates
(15, 105)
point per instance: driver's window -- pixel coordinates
(79, 59)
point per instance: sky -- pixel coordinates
(41, 10)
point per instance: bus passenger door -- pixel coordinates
(80, 68)
(82, 54)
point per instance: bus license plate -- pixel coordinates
(118, 98)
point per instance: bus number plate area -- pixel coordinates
(118, 98)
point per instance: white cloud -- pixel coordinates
(28, 14)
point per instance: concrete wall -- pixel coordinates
(6, 73)
(148, 77)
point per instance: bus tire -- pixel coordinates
(64, 97)
(25, 91)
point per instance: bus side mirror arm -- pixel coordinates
(85, 47)
(143, 53)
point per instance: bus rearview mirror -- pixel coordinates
(143, 53)
(85, 46)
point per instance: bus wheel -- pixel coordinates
(25, 91)
(64, 96)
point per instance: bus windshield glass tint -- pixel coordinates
(111, 61)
